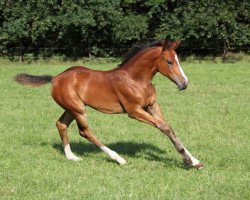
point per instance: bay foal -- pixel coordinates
(126, 89)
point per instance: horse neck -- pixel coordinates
(143, 66)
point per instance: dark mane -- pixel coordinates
(134, 51)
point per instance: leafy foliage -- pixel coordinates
(108, 27)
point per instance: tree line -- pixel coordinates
(105, 28)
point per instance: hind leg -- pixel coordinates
(85, 132)
(62, 125)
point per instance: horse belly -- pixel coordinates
(106, 105)
(103, 103)
(100, 96)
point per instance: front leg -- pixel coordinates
(154, 117)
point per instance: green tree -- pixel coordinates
(15, 29)
(109, 27)
(210, 25)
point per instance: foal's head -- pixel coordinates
(169, 65)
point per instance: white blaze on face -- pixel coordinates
(181, 70)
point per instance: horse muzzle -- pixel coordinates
(183, 86)
(181, 82)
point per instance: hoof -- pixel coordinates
(120, 160)
(191, 164)
(74, 158)
(123, 162)
(199, 166)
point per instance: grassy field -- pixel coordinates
(211, 118)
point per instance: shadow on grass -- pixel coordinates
(132, 149)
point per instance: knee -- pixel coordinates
(60, 126)
(81, 133)
(85, 134)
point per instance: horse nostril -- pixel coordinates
(184, 86)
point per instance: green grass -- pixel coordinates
(211, 118)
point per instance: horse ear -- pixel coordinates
(167, 44)
(176, 44)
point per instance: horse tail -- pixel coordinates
(34, 81)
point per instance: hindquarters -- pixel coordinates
(63, 93)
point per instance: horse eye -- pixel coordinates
(169, 62)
